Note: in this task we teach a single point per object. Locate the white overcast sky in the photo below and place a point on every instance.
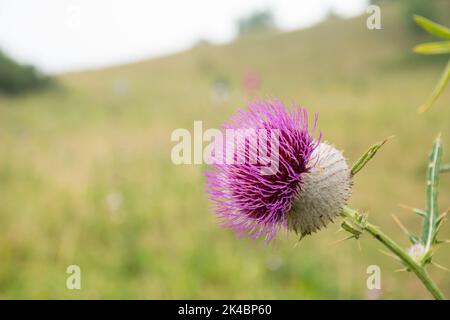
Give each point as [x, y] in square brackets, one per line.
[65, 35]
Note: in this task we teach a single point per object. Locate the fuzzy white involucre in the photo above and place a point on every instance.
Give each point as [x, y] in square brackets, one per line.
[325, 190]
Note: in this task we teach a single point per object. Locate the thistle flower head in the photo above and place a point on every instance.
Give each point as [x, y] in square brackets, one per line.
[309, 187]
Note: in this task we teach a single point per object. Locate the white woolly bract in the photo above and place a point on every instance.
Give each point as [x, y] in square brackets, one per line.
[324, 191]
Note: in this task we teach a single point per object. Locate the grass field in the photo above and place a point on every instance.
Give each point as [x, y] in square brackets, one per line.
[86, 176]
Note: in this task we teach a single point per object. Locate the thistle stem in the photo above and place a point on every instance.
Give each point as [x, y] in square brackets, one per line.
[358, 219]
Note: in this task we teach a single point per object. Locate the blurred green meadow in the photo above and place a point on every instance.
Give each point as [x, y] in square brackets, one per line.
[86, 176]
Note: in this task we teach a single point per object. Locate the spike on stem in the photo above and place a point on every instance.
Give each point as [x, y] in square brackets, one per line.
[417, 211]
[410, 236]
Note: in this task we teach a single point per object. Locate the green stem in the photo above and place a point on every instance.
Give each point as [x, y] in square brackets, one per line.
[356, 218]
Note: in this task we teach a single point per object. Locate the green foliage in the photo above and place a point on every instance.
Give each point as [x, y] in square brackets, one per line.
[421, 254]
[441, 47]
[16, 78]
[432, 27]
[442, 83]
[257, 22]
[430, 221]
[420, 7]
[367, 156]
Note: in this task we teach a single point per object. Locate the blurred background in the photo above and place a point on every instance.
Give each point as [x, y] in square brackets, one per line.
[90, 92]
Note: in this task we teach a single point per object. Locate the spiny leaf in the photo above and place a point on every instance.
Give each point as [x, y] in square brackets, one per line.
[369, 154]
[440, 47]
[430, 220]
[432, 27]
[438, 89]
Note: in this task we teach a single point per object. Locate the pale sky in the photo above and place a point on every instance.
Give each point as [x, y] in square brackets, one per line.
[65, 35]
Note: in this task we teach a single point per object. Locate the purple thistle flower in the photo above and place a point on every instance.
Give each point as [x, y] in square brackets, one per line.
[254, 203]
